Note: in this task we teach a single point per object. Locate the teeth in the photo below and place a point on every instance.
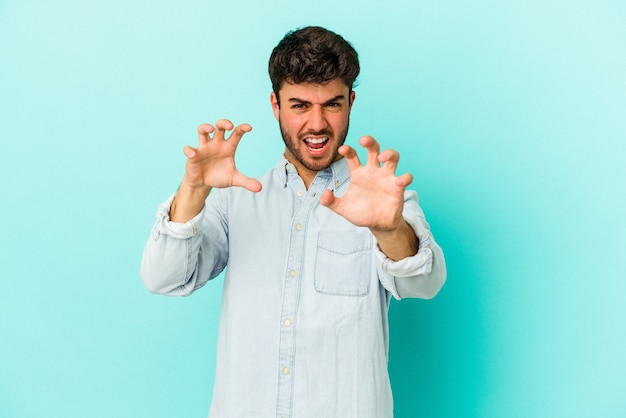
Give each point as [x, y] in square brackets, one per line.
[316, 140]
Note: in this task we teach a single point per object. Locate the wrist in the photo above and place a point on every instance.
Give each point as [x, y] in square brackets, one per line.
[188, 202]
[397, 243]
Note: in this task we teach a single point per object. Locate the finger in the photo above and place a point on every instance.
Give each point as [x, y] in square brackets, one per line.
[389, 158]
[189, 151]
[221, 126]
[247, 183]
[204, 131]
[373, 149]
[351, 156]
[328, 199]
[404, 180]
[238, 133]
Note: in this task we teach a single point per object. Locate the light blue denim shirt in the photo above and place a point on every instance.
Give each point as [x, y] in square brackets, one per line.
[303, 326]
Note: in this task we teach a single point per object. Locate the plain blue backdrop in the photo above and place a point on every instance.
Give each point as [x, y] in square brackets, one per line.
[510, 115]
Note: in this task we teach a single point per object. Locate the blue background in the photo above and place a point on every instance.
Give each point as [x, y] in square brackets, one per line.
[511, 116]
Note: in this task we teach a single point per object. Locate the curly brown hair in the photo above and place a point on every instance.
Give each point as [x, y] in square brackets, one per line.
[313, 55]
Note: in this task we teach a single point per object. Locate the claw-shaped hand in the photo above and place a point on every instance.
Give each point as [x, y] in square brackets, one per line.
[375, 198]
[212, 163]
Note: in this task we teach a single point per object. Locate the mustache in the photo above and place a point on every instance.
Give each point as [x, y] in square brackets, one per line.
[323, 132]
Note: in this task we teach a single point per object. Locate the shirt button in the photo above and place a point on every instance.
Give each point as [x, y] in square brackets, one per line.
[300, 194]
[336, 184]
[292, 273]
[288, 167]
[298, 227]
[286, 371]
[287, 322]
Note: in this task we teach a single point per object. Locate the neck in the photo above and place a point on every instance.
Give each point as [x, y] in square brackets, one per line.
[305, 174]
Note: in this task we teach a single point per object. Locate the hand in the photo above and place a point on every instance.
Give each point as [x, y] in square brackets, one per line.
[375, 198]
[212, 164]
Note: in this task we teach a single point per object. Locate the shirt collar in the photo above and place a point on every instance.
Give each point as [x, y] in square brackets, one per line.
[338, 170]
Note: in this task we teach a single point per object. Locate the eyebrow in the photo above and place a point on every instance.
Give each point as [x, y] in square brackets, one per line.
[334, 99]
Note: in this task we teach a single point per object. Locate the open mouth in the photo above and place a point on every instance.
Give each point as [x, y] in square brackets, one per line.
[316, 145]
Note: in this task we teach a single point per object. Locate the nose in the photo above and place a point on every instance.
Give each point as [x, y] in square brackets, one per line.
[317, 119]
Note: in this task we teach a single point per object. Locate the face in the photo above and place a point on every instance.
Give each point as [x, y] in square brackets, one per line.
[314, 121]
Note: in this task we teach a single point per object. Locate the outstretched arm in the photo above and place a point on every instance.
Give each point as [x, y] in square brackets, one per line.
[375, 199]
[211, 164]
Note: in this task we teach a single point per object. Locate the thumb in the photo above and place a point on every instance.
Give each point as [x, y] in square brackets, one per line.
[247, 183]
[328, 199]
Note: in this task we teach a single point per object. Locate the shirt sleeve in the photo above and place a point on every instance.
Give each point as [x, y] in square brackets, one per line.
[179, 258]
[418, 276]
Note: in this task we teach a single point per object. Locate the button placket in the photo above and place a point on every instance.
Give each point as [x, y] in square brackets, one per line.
[291, 293]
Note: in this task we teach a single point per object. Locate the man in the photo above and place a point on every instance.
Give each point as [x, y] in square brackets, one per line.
[313, 250]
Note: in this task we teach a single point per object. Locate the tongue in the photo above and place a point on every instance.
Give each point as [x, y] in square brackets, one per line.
[316, 146]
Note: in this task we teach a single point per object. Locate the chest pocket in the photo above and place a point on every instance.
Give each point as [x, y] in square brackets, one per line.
[343, 263]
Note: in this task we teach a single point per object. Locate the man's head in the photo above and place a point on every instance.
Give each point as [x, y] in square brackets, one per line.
[313, 71]
[313, 55]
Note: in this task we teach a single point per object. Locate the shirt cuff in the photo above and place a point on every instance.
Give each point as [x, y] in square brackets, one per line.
[418, 264]
[165, 226]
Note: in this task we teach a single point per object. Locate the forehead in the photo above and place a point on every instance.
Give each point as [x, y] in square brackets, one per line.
[314, 92]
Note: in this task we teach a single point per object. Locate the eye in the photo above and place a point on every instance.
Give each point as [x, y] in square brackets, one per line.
[333, 106]
[298, 106]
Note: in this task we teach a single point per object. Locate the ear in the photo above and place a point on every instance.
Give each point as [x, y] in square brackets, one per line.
[352, 97]
[275, 105]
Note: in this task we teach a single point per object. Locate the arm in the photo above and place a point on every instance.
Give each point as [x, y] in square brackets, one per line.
[421, 275]
[188, 244]
[172, 262]
[376, 199]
